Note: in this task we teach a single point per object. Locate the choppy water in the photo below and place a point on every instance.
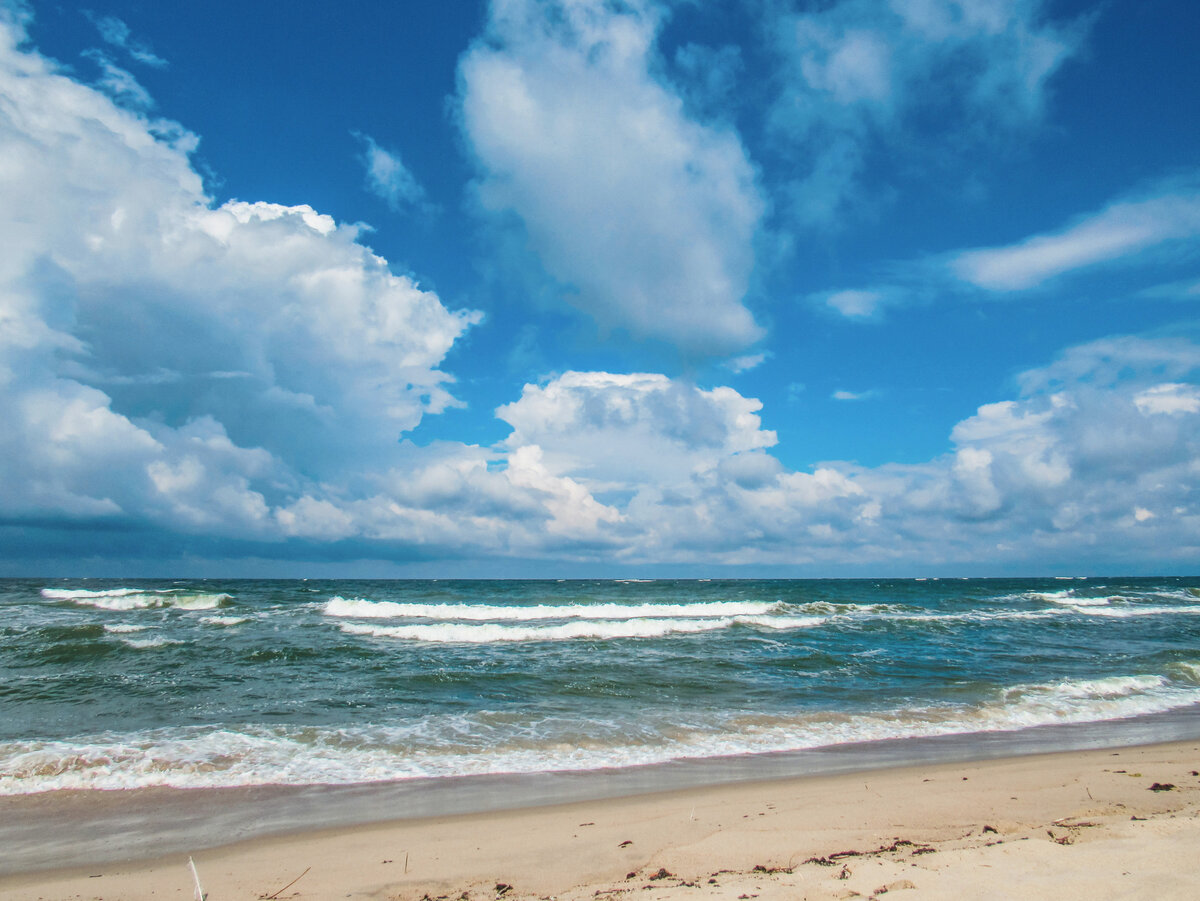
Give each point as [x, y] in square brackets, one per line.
[107, 684]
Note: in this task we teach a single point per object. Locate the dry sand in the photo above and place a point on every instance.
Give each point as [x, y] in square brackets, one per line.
[1059, 826]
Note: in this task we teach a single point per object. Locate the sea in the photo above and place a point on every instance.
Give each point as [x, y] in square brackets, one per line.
[108, 686]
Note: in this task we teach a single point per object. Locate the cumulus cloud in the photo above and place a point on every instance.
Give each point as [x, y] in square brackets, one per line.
[1108, 428]
[620, 431]
[1097, 458]
[159, 355]
[645, 216]
[242, 372]
[859, 72]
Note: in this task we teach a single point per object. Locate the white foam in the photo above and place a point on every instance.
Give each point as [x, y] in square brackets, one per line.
[1122, 612]
[463, 633]
[74, 594]
[360, 608]
[143, 644]
[469, 744]
[124, 599]
[224, 620]
[122, 628]
[1072, 601]
[599, 630]
[782, 622]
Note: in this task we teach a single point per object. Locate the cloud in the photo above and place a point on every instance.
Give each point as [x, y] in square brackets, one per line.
[159, 355]
[1186, 289]
[1121, 230]
[387, 176]
[645, 217]
[645, 469]
[619, 431]
[115, 32]
[118, 83]
[1126, 233]
[855, 303]
[241, 373]
[747, 362]
[866, 77]
[1169, 398]
[853, 395]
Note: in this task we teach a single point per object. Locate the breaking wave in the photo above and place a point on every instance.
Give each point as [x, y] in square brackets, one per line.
[139, 598]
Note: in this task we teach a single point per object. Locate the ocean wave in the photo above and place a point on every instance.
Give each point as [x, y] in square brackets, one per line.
[145, 644]
[124, 599]
[78, 594]
[1122, 612]
[491, 743]
[462, 633]
[1188, 671]
[224, 620]
[361, 608]
[599, 630]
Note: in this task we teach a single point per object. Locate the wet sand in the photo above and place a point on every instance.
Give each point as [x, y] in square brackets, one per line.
[1085, 824]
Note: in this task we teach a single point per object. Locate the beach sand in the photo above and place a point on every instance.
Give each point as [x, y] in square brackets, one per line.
[1089, 824]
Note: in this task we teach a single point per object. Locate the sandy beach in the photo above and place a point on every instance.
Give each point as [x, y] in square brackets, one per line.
[1121, 823]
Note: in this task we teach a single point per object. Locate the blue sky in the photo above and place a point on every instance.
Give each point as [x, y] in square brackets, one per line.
[588, 288]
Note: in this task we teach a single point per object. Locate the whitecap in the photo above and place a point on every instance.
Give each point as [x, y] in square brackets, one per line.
[361, 608]
[125, 599]
[143, 644]
[486, 742]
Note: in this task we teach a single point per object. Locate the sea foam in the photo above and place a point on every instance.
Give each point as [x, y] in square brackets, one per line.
[138, 598]
[599, 630]
[449, 745]
[361, 608]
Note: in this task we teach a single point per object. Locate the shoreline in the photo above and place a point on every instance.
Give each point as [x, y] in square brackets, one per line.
[74, 828]
[1081, 823]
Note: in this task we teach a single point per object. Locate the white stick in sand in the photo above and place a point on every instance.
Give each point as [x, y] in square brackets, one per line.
[200, 896]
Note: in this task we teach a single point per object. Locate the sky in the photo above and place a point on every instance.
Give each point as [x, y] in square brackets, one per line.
[576, 288]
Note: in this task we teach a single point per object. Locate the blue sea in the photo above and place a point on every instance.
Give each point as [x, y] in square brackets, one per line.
[124, 684]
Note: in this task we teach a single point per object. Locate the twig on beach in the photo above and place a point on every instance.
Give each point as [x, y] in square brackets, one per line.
[200, 893]
[289, 885]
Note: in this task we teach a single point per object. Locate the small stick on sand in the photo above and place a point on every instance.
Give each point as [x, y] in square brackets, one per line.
[289, 885]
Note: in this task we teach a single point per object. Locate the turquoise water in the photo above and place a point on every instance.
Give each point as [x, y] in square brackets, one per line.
[120, 684]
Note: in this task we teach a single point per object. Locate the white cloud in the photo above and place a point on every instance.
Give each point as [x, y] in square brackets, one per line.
[747, 362]
[842, 394]
[855, 304]
[1119, 231]
[862, 75]
[159, 356]
[1125, 233]
[120, 84]
[387, 176]
[645, 216]
[1170, 398]
[115, 32]
[1055, 471]
[621, 431]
